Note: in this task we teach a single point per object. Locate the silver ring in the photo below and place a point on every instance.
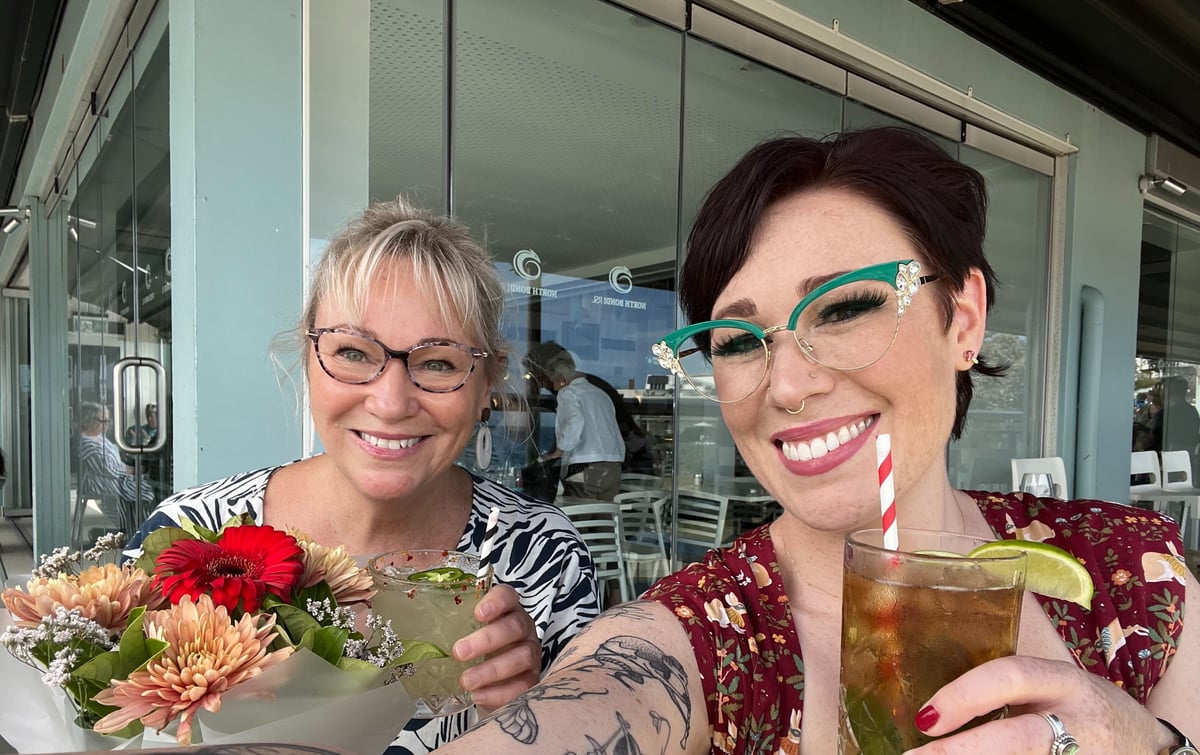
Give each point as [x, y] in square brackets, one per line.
[1064, 743]
[789, 411]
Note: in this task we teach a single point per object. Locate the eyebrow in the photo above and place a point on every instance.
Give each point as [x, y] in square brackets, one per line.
[372, 334]
[745, 308]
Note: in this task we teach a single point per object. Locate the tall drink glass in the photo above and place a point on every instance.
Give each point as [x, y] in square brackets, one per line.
[438, 612]
[912, 620]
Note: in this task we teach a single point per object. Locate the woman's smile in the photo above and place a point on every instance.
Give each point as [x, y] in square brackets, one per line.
[818, 447]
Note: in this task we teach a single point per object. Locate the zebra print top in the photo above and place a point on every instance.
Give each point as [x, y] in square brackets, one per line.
[539, 554]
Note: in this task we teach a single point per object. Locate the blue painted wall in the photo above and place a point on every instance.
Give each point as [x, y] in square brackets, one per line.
[237, 235]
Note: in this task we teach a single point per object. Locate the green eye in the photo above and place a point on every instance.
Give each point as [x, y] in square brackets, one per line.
[736, 345]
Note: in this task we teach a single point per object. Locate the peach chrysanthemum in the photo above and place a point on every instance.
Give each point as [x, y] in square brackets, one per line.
[106, 594]
[206, 654]
[349, 582]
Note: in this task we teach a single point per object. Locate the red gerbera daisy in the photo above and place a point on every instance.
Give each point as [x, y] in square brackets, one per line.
[238, 571]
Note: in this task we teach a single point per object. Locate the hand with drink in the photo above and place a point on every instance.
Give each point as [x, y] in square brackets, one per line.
[837, 293]
[403, 352]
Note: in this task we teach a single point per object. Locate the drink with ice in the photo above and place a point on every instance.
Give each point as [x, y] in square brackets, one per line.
[913, 620]
[430, 595]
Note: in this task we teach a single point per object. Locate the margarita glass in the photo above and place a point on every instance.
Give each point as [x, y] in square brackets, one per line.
[430, 595]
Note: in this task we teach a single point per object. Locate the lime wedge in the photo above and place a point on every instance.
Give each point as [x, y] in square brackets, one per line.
[442, 574]
[1050, 570]
[939, 554]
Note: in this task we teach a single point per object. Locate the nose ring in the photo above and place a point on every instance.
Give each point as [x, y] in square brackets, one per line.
[789, 411]
[812, 375]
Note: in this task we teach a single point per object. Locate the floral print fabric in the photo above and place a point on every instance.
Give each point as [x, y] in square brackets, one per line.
[735, 611]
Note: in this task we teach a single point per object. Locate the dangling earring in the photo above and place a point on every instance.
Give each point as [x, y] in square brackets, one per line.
[969, 356]
[483, 441]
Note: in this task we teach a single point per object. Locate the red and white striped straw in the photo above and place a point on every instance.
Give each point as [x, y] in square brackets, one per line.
[487, 568]
[887, 492]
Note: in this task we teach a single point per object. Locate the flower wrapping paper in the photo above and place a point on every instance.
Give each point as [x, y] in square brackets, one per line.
[302, 700]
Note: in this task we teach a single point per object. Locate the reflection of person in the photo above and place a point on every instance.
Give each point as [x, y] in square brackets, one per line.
[1177, 426]
[145, 433]
[393, 421]
[586, 435]
[740, 652]
[142, 436]
[1143, 420]
[102, 474]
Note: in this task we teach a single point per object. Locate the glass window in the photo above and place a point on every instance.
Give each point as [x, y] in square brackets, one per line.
[565, 158]
[1168, 345]
[118, 259]
[1005, 420]
[407, 101]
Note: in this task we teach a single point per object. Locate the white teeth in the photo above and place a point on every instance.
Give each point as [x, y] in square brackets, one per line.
[391, 444]
[798, 450]
[818, 447]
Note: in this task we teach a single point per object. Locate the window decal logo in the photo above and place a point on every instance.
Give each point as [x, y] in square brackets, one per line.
[527, 264]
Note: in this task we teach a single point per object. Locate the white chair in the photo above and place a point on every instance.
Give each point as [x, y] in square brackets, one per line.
[1051, 465]
[1177, 481]
[1155, 491]
[599, 524]
[642, 526]
[701, 519]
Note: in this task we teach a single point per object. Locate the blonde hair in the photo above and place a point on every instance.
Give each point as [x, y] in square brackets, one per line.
[444, 258]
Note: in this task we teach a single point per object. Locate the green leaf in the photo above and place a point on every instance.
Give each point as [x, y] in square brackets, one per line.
[295, 620]
[197, 531]
[873, 727]
[237, 520]
[318, 592]
[157, 542]
[134, 651]
[418, 650]
[355, 665]
[327, 642]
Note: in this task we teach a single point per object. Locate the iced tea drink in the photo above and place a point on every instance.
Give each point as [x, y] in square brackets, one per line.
[913, 620]
[430, 595]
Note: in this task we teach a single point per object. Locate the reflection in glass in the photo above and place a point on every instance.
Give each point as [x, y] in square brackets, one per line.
[1005, 420]
[118, 234]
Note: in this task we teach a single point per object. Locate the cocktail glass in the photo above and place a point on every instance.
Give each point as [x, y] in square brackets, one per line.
[440, 613]
[913, 620]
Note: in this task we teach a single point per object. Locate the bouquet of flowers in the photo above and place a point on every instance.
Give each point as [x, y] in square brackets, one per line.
[248, 614]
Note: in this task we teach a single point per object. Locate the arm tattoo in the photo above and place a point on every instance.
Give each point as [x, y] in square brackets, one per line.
[632, 661]
[635, 612]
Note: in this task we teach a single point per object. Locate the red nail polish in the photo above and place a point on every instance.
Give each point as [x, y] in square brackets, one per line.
[926, 717]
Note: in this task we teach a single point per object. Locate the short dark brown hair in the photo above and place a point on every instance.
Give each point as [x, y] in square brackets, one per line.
[939, 202]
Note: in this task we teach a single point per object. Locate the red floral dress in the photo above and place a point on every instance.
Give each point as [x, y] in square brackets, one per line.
[736, 613]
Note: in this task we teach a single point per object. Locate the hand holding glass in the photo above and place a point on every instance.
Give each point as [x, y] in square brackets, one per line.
[424, 607]
[912, 621]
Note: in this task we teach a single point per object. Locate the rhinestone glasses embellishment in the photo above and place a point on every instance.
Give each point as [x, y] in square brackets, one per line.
[666, 358]
[908, 280]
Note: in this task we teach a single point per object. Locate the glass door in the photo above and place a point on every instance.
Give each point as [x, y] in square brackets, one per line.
[119, 325]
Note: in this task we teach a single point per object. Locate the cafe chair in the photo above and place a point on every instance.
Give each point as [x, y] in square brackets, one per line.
[1051, 465]
[1152, 488]
[701, 520]
[1177, 481]
[642, 526]
[599, 524]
